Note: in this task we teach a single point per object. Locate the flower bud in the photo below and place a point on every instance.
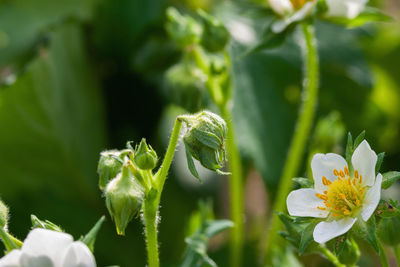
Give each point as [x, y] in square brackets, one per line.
[185, 85]
[109, 166]
[205, 139]
[388, 230]
[3, 214]
[145, 157]
[215, 36]
[184, 30]
[350, 253]
[124, 196]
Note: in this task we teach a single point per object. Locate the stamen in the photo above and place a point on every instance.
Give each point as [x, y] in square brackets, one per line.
[325, 181]
[346, 212]
[325, 192]
[356, 174]
[323, 197]
[321, 208]
[335, 172]
[341, 173]
[335, 215]
[360, 179]
[346, 171]
[327, 204]
[342, 196]
[357, 202]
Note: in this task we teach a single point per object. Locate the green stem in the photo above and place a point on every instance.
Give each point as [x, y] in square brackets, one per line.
[382, 255]
[301, 133]
[236, 191]
[396, 249]
[9, 241]
[161, 174]
[150, 208]
[331, 257]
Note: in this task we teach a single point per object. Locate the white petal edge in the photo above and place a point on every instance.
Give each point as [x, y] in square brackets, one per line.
[282, 7]
[323, 165]
[364, 160]
[11, 259]
[79, 255]
[304, 203]
[47, 243]
[325, 231]
[345, 8]
[371, 199]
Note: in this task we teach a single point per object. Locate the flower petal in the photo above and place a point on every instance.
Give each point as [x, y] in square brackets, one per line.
[78, 255]
[35, 261]
[282, 7]
[325, 231]
[304, 202]
[345, 8]
[323, 165]
[11, 259]
[42, 242]
[364, 160]
[372, 198]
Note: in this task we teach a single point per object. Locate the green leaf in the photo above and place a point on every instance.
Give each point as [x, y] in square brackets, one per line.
[303, 182]
[36, 223]
[359, 139]
[268, 40]
[378, 165]
[207, 138]
[306, 238]
[349, 148]
[387, 209]
[214, 227]
[340, 243]
[371, 233]
[9, 244]
[369, 14]
[190, 162]
[90, 238]
[389, 178]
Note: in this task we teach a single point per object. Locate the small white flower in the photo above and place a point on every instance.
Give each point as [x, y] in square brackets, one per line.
[339, 196]
[46, 248]
[291, 11]
[345, 8]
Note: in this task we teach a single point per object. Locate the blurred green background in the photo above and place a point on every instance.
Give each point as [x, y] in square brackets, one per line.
[81, 76]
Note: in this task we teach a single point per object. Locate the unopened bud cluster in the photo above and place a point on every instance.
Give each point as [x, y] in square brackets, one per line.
[121, 177]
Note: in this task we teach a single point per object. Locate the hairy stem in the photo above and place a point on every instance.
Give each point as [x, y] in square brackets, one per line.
[331, 257]
[150, 208]
[382, 255]
[396, 249]
[302, 131]
[236, 191]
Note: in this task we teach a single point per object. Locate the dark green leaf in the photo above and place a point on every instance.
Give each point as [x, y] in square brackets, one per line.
[269, 40]
[208, 139]
[340, 243]
[389, 178]
[371, 233]
[370, 14]
[303, 182]
[190, 162]
[387, 209]
[379, 162]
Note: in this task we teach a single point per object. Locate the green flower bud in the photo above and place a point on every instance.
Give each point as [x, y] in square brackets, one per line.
[3, 214]
[215, 36]
[145, 157]
[388, 230]
[124, 196]
[205, 140]
[36, 223]
[184, 30]
[350, 253]
[184, 85]
[109, 166]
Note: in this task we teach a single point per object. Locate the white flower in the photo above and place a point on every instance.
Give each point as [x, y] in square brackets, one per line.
[345, 8]
[339, 196]
[290, 11]
[46, 248]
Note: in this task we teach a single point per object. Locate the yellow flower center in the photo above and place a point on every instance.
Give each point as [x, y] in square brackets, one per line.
[344, 195]
[297, 4]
